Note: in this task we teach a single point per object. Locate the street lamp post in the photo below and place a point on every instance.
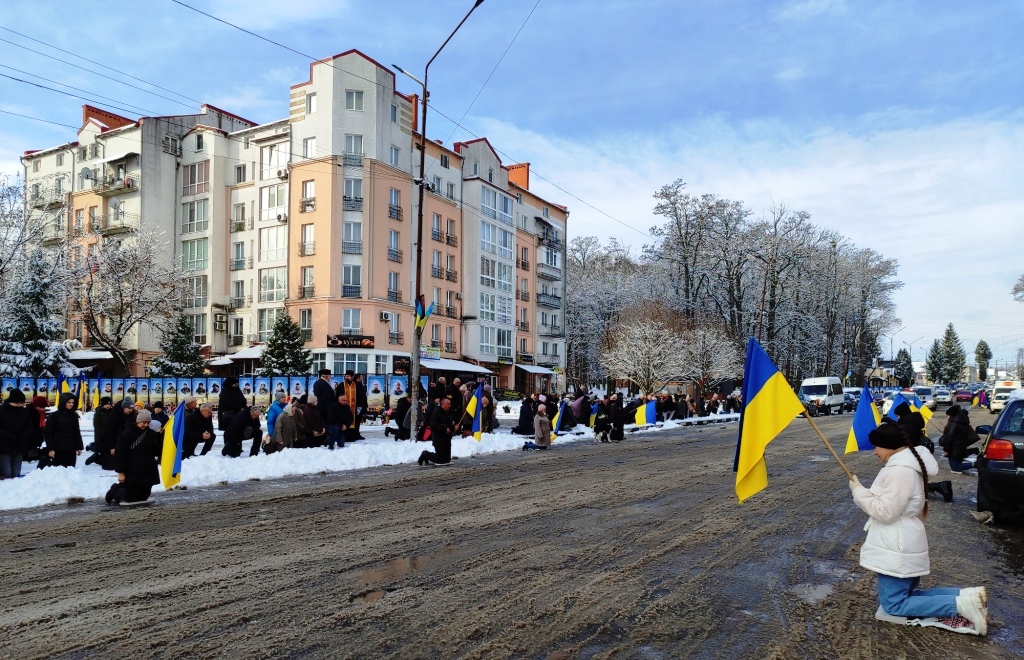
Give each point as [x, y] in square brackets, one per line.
[910, 350]
[414, 367]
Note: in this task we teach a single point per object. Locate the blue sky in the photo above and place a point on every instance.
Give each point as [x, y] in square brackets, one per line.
[899, 123]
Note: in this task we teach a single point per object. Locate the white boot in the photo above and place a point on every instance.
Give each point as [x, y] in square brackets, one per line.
[970, 606]
[981, 593]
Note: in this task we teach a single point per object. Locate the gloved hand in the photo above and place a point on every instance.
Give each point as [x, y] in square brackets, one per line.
[855, 483]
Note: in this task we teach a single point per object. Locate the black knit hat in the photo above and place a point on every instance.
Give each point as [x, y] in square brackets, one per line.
[889, 436]
[953, 410]
[104, 400]
[902, 409]
[16, 396]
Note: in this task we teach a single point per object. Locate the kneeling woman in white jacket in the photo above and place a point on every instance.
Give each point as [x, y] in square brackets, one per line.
[896, 547]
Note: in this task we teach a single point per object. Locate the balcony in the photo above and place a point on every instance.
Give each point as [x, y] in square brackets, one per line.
[240, 264]
[307, 249]
[351, 332]
[307, 334]
[352, 160]
[305, 291]
[394, 296]
[435, 343]
[53, 233]
[396, 338]
[240, 302]
[523, 295]
[307, 204]
[352, 203]
[46, 199]
[394, 212]
[551, 331]
[240, 225]
[113, 185]
[522, 264]
[524, 326]
[451, 239]
[550, 240]
[116, 223]
[449, 347]
[394, 254]
[548, 272]
[235, 340]
[437, 271]
[351, 291]
[195, 302]
[437, 235]
[351, 247]
[451, 312]
[549, 300]
[547, 361]
[452, 275]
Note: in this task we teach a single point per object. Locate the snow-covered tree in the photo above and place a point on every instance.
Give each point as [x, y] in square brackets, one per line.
[954, 357]
[20, 226]
[181, 357]
[982, 354]
[711, 357]
[284, 352]
[30, 328]
[903, 368]
[647, 352]
[934, 363]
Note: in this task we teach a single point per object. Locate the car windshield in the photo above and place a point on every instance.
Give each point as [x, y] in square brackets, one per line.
[813, 390]
[943, 392]
[1012, 421]
[923, 391]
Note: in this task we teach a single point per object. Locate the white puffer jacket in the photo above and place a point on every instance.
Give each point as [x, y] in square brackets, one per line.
[897, 544]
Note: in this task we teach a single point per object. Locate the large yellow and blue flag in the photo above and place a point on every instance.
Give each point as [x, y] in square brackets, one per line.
[80, 392]
[174, 440]
[96, 391]
[422, 314]
[593, 414]
[646, 414]
[556, 420]
[915, 404]
[769, 405]
[474, 410]
[865, 420]
[980, 399]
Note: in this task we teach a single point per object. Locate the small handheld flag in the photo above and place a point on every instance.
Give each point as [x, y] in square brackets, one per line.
[865, 420]
[174, 440]
[475, 410]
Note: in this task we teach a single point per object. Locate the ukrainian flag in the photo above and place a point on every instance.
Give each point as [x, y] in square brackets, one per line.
[980, 399]
[593, 414]
[557, 419]
[174, 440]
[916, 405]
[96, 391]
[865, 420]
[769, 405]
[81, 392]
[474, 410]
[646, 414]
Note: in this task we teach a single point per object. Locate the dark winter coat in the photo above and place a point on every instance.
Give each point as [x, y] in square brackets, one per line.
[19, 429]
[913, 425]
[959, 435]
[361, 400]
[617, 419]
[308, 421]
[99, 417]
[325, 396]
[231, 401]
[163, 417]
[113, 426]
[401, 410]
[236, 433]
[195, 426]
[136, 455]
[339, 415]
[527, 411]
[602, 423]
[62, 431]
[441, 427]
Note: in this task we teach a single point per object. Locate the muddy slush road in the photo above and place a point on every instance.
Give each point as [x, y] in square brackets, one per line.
[633, 550]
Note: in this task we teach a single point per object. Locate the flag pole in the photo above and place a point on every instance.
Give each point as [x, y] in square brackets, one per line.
[834, 454]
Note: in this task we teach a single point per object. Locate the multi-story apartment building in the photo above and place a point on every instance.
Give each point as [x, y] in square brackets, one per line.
[315, 215]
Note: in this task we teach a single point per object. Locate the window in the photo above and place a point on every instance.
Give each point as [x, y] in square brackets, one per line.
[319, 361]
[524, 255]
[198, 323]
[451, 263]
[451, 227]
[273, 284]
[79, 218]
[354, 188]
[435, 332]
[194, 216]
[308, 189]
[306, 234]
[380, 363]
[350, 321]
[488, 306]
[435, 259]
[306, 321]
[444, 161]
[551, 257]
[60, 160]
[267, 318]
[488, 202]
[356, 362]
[488, 267]
[392, 281]
[393, 239]
[394, 113]
[554, 349]
[238, 252]
[449, 334]
[238, 292]
[554, 320]
[273, 157]
[505, 239]
[194, 254]
[488, 238]
[83, 152]
[351, 275]
[505, 212]
[476, 167]
[451, 191]
[523, 346]
[36, 164]
[196, 291]
[245, 142]
[504, 277]
[353, 232]
[487, 340]
[395, 153]
[309, 148]
[395, 197]
[353, 99]
[435, 223]
[273, 243]
[545, 212]
[435, 184]
[490, 174]
[504, 311]
[504, 343]
[239, 173]
[195, 178]
[353, 144]
[544, 318]
[199, 141]
[435, 297]
[311, 103]
[273, 201]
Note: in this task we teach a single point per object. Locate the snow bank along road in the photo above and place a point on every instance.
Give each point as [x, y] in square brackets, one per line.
[636, 548]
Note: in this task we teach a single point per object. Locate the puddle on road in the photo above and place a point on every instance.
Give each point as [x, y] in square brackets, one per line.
[812, 593]
[399, 569]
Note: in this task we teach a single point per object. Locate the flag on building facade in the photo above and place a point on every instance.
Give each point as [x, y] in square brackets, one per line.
[865, 420]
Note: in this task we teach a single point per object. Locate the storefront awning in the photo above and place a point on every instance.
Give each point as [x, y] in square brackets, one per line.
[529, 368]
[221, 361]
[250, 353]
[89, 355]
[113, 158]
[444, 364]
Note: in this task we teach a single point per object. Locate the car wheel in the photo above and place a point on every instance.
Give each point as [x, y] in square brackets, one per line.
[828, 410]
[986, 503]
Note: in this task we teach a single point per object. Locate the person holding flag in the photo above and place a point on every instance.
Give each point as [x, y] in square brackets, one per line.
[135, 459]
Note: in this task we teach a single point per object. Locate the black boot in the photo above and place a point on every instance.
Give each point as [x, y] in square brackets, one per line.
[943, 488]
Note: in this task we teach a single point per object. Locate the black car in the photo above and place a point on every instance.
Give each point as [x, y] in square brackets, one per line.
[849, 402]
[1001, 463]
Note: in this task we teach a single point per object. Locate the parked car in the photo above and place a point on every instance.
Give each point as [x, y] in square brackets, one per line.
[849, 402]
[964, 395]
[809, 406]
[1001, 462]
[927, 396]
[942, 395]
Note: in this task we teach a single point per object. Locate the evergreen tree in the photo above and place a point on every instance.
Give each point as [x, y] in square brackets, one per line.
[934, 367]
[181, 357]
[903, 368]
[30, 327]
[982, 354]
[954, 357]
[284, 353]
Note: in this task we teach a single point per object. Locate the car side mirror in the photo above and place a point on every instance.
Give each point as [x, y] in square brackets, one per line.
[984, 429]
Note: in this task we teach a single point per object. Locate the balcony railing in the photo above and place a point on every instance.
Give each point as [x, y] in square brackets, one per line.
[394, 254]
[522, 264]
[352, 160]
[241, 225]
[46, 199]
[352, 203]
[352, 247]
[307, 204]
[435, 343]
[550, 241]
[524, 326]
[240, 302]
[394, 296]
[451, 275]
[235, 340]
[307, 249]
[241, 264]
[437, 235]
[111, 185]
[451, 312]
[523, 295]
[396, 338]
[394, 212]
[451, 239]
[449, 347]
[351, 291]
[437, 271]
[307, 334]
[194, 302]
[549, 300]
[548, 272]
[53, 232]
[115, 223]
[351, 332]
[305, 291]
[551, 330]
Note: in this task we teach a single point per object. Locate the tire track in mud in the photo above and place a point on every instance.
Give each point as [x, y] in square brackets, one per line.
[634, 549]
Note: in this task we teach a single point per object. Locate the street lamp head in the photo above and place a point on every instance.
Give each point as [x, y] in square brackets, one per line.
[403, 71]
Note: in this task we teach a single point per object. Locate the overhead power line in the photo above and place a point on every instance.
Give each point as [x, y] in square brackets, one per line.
[79, 89]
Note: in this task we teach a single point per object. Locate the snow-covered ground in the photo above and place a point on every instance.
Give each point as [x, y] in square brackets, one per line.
[55, 485]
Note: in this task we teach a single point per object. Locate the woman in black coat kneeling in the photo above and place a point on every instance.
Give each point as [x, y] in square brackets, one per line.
[135, 460]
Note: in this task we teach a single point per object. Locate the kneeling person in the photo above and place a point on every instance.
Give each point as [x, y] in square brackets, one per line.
[135, 459]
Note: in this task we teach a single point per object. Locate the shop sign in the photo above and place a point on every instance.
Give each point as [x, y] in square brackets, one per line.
[525, 358]
[430, 353]
[349, 341]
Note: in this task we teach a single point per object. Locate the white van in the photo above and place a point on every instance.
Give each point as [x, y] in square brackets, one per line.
[826, 393]
[1001, 394]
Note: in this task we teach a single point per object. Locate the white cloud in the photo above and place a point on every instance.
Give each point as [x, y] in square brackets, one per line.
[791, 74]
